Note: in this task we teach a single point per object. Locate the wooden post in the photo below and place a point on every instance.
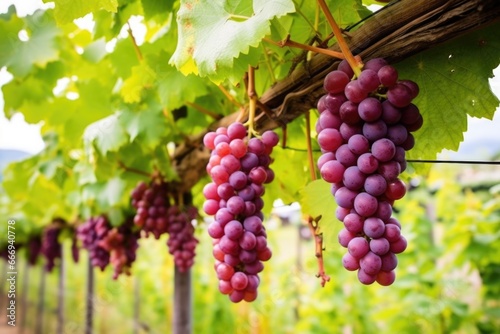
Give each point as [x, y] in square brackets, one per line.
[137, 301]
[182, 323]
[60, 295]
[90, 298]
[24, 296]
[41, 302]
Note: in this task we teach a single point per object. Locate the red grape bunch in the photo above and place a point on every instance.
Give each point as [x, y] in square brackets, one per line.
[364, 129]
[181, 240]
[91, 233]
[121, 243]
[151, 202]
[239, 168]
[51, 246]
[34, 249]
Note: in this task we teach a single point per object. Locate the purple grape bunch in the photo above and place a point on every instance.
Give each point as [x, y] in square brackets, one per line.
[51, 246]
[181, 240]
[151, 203]
[239, 168]
[91, 233]
[364, 130]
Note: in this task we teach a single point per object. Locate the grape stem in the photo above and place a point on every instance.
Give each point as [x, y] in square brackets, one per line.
[309, 146]
[313, 224]
[355, 64]
[204, 110]
[230, 97]
[288, 42]
[138, 52]
[133, 170]
[252, 96]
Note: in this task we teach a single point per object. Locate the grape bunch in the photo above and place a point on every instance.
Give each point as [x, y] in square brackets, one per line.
[181, 240]
[51, 247]
[91, 233]
[121, 243]
[364, 129]
[239, 168]
[34, 249]
[151, 202]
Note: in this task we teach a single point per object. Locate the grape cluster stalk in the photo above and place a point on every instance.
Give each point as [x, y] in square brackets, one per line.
[239, 168]
[364, 130]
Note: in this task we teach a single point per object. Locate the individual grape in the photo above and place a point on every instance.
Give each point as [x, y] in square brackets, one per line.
[374, 227]
[399, 95]
[336, 81]
[386, 278]
[353, 178]
[353, 223]
[365, 204]
[379, 246]
[388, 75]
[350, 262]
[332, 171]
[358, 247]
[358, 144]
[368, 80]
[240, 244]
[364, 129]
[370, 109]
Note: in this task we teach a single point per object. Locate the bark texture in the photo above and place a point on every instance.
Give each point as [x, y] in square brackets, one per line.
[398, 31]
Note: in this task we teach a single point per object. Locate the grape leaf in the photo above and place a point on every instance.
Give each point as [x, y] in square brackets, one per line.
[213, 33]
[317, 200]
[67, 11]
[107, 134]
[41, 47]
[95, 51]
[152, 8]
[149, 125]
[452, 86]
[142, 76]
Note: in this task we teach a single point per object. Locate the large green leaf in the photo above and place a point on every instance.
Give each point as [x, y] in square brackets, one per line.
[453, 80]
[213, 33]
[40, 48]
[67, 11]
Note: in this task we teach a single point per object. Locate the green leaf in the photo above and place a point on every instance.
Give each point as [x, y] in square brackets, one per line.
[147, 125]
[453, 80]
[213, 33]
[142, 77]
[174, 88]
[152, 8]
[95, 51]
[112, 191]
[317, 200]
[107, 134]
[67, 11]
[41, 47]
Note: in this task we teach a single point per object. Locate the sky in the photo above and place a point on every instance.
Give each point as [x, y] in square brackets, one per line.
[480, 141]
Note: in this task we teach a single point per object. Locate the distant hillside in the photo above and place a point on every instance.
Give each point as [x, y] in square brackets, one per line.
[7, 156]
